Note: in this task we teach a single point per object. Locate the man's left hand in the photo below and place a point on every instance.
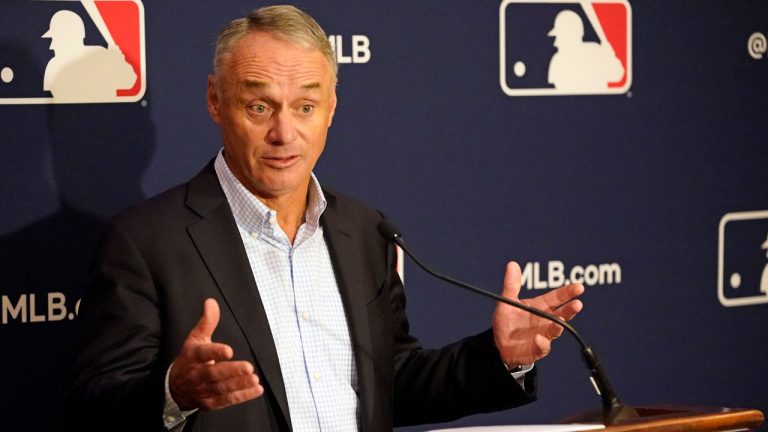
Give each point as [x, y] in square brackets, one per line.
[523, 338]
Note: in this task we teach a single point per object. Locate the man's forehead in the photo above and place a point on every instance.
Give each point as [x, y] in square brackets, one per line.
[263, 71]
[278, 54]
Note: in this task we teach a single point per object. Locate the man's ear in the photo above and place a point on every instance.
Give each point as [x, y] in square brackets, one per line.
[332, 107]
[212, 97]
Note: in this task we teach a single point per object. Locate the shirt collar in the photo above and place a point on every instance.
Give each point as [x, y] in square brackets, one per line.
[254, 216]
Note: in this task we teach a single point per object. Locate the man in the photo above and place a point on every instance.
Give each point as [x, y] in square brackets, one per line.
[303, 324]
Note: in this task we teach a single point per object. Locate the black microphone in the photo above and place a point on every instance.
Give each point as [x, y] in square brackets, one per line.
[613, 409]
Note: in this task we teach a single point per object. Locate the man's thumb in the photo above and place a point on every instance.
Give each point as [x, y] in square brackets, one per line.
[207, 324]
[512, 281]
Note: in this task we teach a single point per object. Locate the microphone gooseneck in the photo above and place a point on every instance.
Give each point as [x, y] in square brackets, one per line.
[613, 408]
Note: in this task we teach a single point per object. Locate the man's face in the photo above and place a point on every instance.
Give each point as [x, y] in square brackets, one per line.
[274, 102]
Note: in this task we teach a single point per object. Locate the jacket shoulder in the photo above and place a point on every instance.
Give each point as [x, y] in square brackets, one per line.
[348, 205]
[178, 206]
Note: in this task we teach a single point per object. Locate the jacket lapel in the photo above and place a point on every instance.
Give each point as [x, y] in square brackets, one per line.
[218, 242]
[339, 233]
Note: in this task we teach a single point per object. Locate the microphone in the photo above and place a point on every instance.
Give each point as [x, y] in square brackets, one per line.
[613, 409]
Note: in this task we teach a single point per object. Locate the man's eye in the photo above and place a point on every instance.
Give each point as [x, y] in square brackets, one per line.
[306, 109]
[259, 109]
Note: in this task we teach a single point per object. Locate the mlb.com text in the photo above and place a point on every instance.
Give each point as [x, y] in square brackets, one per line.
[553, 274]
[37, 307]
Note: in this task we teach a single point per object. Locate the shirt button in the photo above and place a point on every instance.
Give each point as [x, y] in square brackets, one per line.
[254, 235]
[170, 419]
[316, 376]
[305, 316]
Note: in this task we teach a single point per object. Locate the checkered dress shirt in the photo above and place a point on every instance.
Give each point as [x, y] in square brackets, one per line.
[304, 308]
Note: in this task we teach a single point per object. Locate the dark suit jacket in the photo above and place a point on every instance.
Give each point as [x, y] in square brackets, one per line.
[161, 259]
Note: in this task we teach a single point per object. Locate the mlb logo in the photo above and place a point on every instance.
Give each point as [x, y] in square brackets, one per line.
[742, 259]
[70, 51]
[555, 47]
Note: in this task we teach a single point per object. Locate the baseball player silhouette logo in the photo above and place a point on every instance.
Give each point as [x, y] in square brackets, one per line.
[554, 47]
[81, 67]
[742, 268]
[80, 72]
[578, 65]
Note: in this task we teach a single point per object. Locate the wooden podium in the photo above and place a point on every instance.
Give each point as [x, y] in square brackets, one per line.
[685, 418]
[648, 419]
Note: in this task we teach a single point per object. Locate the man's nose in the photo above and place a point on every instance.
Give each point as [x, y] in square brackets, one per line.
[283, 129]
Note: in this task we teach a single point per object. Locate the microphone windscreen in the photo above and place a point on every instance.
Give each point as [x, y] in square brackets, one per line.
[388, 230]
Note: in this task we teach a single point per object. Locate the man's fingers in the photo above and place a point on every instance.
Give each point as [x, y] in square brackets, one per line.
[232, 398]
[221, 371]
[203, 330]
[209, 385]
[543, 344]
[554, 331]
[207, 352]
[512, 281]
[237, 384]
[230, 369]
[557, 298]
[570, 309]
[218, 389]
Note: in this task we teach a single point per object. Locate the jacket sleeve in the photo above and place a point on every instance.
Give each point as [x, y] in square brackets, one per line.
[118, 380]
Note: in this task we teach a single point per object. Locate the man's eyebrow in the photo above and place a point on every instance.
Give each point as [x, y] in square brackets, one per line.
[254, 84]
[311, 86]
[251, 84]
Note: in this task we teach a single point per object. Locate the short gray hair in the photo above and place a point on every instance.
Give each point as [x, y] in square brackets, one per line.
[284, 22]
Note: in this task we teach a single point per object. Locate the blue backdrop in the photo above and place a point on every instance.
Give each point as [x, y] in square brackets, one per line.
[652, 191]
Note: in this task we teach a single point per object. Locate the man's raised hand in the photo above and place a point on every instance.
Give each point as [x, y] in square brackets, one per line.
[521, 337]
[203, 375]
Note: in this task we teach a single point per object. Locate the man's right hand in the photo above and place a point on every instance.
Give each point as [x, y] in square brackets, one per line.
[203, 376]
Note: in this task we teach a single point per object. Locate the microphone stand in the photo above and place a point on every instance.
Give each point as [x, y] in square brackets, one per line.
[613, 410]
